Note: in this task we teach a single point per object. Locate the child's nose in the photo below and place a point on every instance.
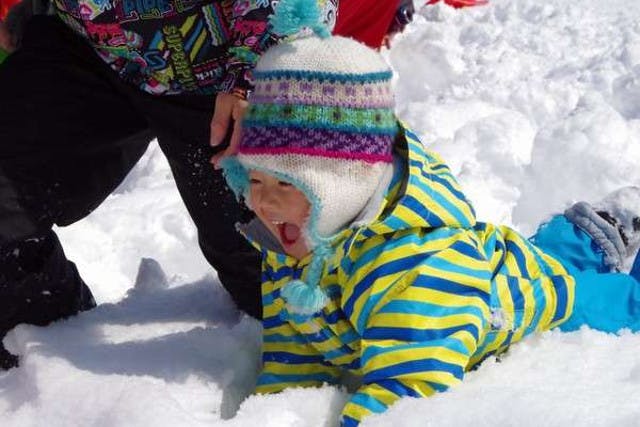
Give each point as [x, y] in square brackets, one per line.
[270, 199]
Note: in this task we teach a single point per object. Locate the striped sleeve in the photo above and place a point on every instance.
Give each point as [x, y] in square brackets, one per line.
[419, 336]
[288, 361]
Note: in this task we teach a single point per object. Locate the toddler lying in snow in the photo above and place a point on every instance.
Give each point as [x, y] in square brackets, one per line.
[373, 260]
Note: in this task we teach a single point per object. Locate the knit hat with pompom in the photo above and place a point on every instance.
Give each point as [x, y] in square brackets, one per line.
[321, 117]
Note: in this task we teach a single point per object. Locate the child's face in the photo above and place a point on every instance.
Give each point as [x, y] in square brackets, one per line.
[282, 208]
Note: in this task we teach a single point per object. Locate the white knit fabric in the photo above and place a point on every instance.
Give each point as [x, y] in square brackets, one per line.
[342, 187]
[323, 55]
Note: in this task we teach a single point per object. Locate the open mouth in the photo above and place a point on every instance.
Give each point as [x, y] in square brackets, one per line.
[289, 233]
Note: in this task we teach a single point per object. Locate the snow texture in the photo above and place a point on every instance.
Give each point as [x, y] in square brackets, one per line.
[535, 105]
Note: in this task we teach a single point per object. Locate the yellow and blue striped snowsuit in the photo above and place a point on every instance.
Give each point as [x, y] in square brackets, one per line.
[417, 297]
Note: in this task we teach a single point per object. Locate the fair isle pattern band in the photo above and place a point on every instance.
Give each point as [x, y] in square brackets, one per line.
[321, 114]
[361, 120]
[323, 76]
[368, 147]
[304, 92]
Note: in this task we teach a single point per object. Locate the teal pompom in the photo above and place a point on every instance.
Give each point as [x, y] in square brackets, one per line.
[236, 176]
[303, 298]
[307, 297]
[291, 16]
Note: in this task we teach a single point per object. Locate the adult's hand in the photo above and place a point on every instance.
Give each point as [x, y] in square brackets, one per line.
[229, 110]
[6, 42]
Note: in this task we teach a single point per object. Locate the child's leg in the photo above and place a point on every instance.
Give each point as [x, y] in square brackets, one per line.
[608, 230]
[570, 244]
[607, 302]
[604, 301]
[635, 270]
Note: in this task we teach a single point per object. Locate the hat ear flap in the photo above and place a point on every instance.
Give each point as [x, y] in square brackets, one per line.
[236, 175]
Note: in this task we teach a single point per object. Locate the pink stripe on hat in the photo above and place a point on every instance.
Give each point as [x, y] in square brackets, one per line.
[368, 158]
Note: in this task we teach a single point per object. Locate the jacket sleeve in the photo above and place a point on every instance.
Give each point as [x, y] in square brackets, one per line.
[250, 37]
[288, 358]
[421, 315]
[289, 361]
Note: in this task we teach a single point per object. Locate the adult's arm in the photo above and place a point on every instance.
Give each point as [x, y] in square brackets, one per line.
[249, 37]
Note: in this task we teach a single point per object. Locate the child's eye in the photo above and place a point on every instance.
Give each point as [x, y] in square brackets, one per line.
[284, 184]
[254, 181]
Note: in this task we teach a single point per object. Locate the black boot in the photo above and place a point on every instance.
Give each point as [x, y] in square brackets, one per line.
[7, 360]
[38, 285]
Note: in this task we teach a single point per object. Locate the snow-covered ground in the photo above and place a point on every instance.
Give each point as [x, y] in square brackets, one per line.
[534, 104]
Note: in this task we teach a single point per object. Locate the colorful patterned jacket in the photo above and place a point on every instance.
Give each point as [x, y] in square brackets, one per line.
[417, 297]
[169, 47]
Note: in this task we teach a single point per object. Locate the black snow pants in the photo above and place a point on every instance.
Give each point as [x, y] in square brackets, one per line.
[70, 131]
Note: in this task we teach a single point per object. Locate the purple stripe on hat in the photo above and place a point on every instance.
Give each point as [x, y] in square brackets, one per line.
[355, 95]
[323, 140]
[369, 158]
[314, 99]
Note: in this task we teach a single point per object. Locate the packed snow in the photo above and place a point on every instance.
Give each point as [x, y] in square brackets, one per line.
[534, 105]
